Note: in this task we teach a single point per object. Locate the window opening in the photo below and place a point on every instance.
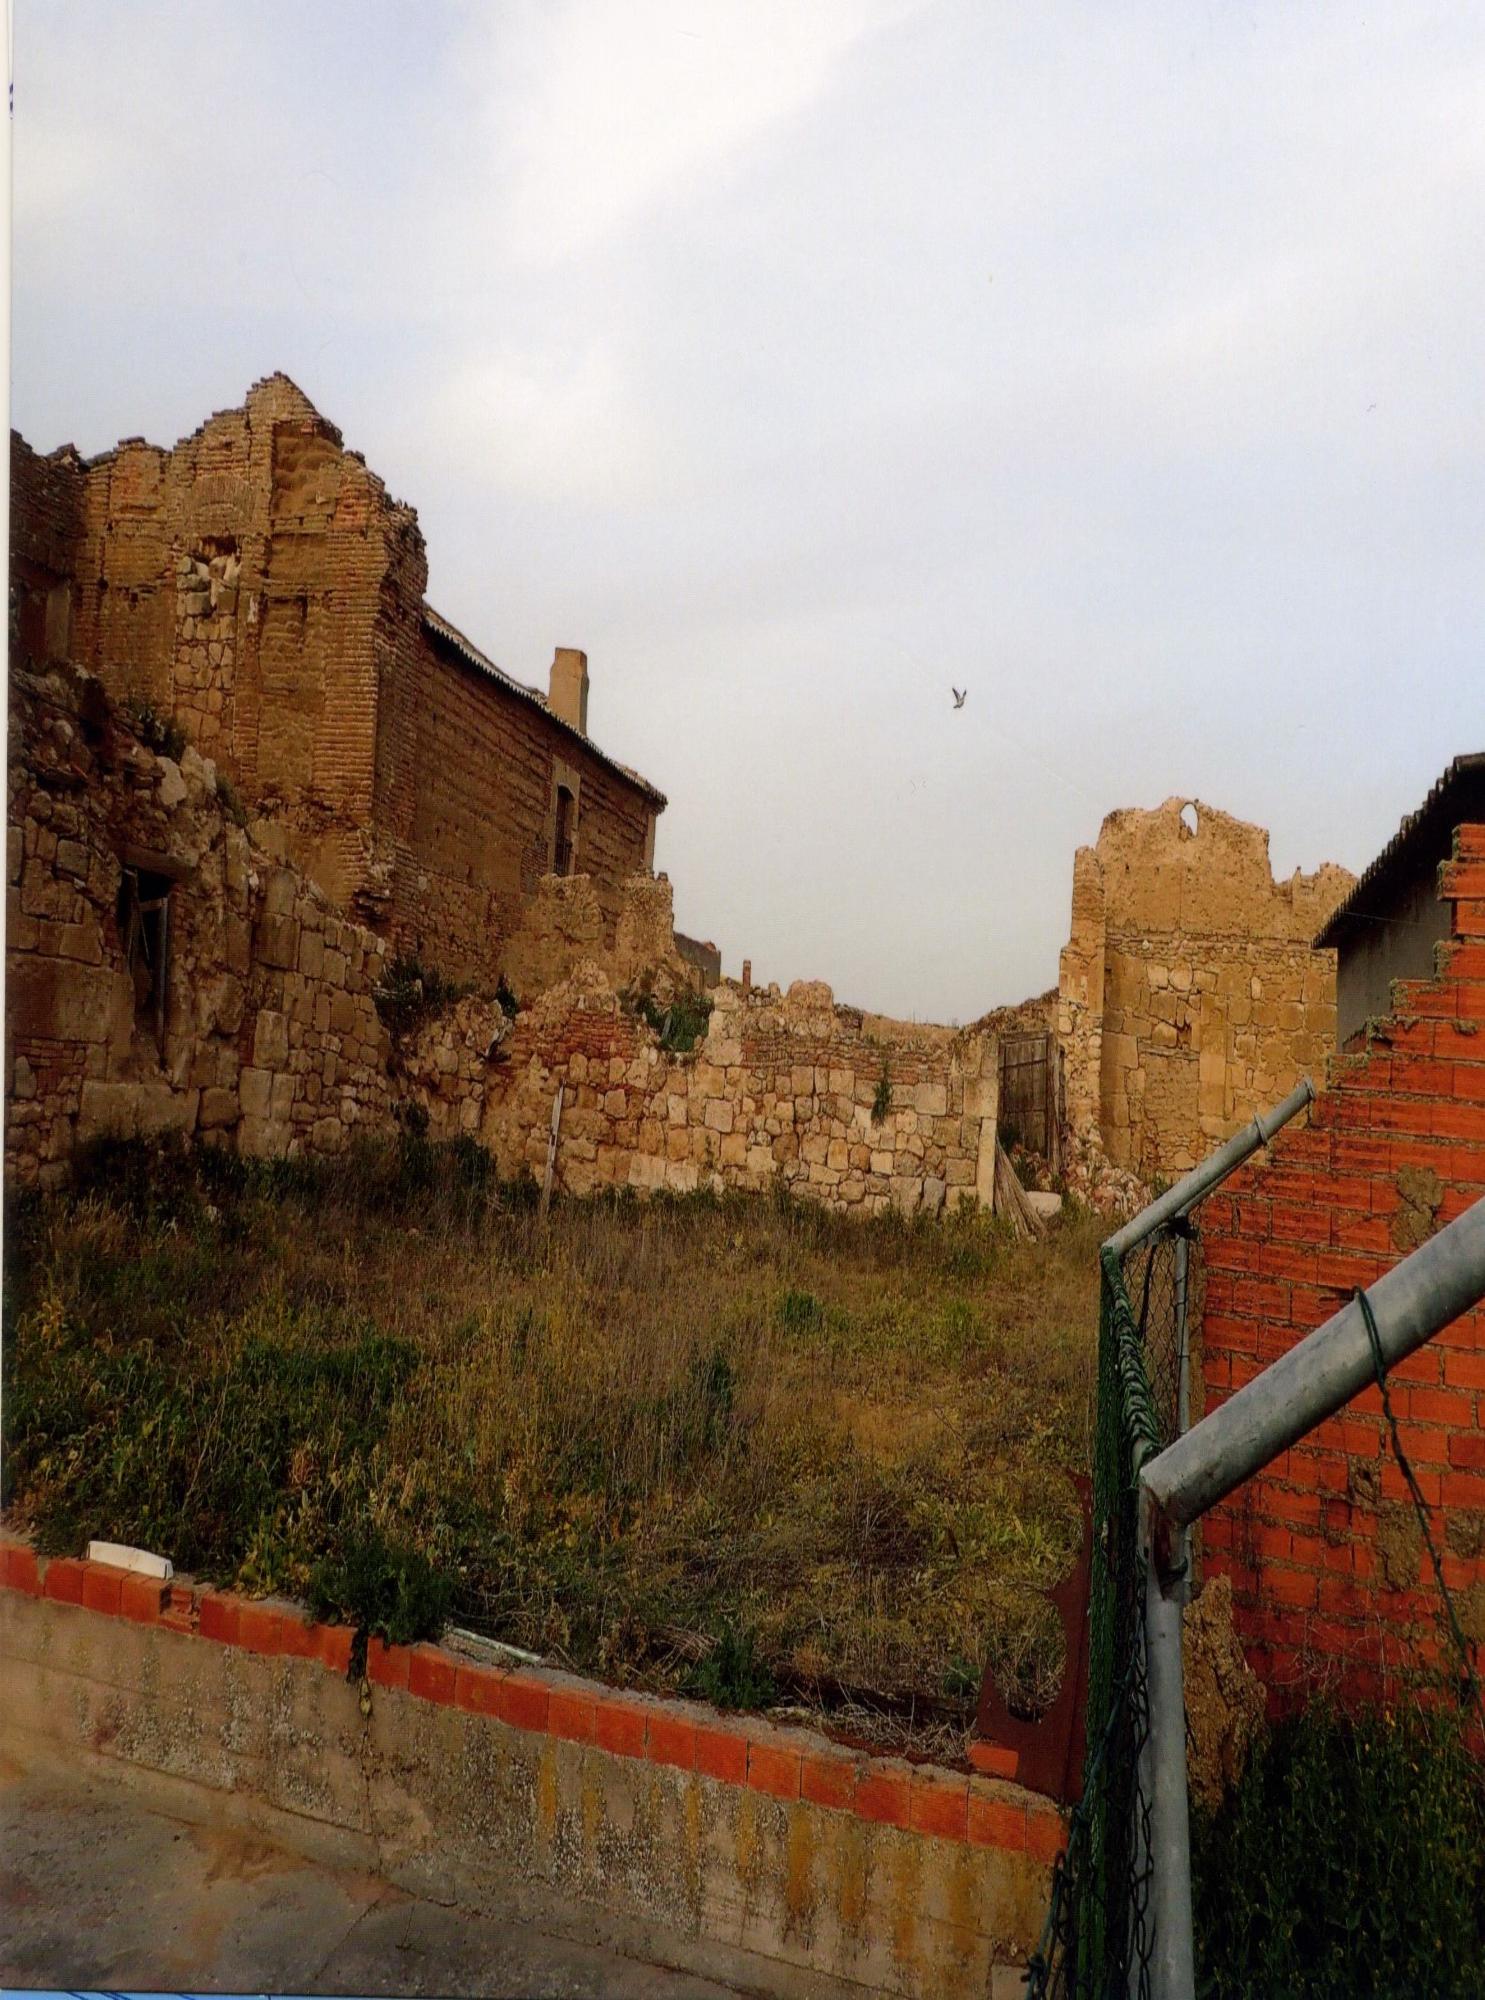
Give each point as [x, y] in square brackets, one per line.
[562, 855]
[144, 926]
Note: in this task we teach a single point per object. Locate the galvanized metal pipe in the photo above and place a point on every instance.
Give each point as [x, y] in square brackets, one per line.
[1216, 1167]
[1163, 1779]
[1183, 1336]
[1440, 1279]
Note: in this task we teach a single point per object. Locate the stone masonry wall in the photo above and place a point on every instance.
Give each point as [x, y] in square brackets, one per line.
[258, 585]
[269, 1039]
[782, 1090]
[1331, 1584]
[1189, 995]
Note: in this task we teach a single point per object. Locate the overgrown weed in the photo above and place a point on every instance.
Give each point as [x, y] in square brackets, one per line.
[717, 1441]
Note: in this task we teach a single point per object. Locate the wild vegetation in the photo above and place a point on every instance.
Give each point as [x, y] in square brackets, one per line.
[743, 1447]
[1350, 1861]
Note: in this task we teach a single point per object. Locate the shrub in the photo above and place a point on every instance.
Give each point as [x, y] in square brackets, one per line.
[1350, 1861]
[160, 733]
[731, 1675]
[385, 1589]
[681, 1025]
[881, 1104]
[412, 993]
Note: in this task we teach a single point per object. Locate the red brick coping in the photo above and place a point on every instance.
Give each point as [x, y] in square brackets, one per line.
[737, 1750]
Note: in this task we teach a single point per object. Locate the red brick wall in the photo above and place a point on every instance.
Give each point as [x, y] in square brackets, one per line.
[1330, 1582]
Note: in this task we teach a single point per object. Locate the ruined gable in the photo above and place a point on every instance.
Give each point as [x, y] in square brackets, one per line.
[1189, 991]
[257, 586]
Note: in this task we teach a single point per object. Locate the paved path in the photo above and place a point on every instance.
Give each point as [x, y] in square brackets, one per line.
[98, 1891]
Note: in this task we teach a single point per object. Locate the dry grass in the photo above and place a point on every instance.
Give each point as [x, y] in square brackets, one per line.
[745, 1447]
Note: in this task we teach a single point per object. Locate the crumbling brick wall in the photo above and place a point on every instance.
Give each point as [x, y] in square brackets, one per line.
[1328, 1569]
[783, 1089]
[268, 1037]
[258, 586]
[1189, 994]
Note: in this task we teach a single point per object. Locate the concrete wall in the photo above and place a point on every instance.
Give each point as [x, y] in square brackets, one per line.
[460, 1780]
[1330, 1579]
[258, 585]
[1189, 995]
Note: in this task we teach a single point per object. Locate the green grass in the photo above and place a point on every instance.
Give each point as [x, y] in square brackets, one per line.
[737, 1445]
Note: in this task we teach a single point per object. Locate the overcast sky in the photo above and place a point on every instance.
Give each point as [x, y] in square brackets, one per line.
[799, 358]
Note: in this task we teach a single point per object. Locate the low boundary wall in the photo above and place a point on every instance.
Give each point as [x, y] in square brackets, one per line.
[705, 1834]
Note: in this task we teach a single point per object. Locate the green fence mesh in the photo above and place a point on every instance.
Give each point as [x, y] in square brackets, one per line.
[1096, 1943]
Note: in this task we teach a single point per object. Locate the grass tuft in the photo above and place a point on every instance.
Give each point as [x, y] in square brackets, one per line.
[709, 1440]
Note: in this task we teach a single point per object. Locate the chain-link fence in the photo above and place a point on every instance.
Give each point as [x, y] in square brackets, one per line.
[1096, 1944]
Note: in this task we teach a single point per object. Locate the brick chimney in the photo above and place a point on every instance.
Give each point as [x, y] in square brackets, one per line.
[568, 695]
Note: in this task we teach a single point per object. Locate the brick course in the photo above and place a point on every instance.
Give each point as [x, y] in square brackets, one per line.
[948, 1805]
[258, 585]
[1330, 1580]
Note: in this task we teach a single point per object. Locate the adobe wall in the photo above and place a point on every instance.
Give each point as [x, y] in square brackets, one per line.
[271, 1042]
[782, 1089]
[258, 585]
[1330, 1578]
[771, 1858]
[1188, 993]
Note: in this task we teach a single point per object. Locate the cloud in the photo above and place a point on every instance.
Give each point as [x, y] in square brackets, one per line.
[617, 110]
[555, 426]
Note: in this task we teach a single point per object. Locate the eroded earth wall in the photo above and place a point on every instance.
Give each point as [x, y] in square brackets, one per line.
[1189, 995]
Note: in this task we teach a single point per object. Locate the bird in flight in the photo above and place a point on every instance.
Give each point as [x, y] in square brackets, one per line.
[958, 694]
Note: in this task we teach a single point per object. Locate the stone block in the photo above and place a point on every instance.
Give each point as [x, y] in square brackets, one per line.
[278, 941]
[270, 1039]
[255, 1093]
[280, 892]
[219, 1108]
[719, 1115]
[66, 1001]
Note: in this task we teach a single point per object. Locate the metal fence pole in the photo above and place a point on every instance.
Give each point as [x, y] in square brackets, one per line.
[1216, 1167]
[1427, 1291]
[1440, 1279]
[1173, 1949]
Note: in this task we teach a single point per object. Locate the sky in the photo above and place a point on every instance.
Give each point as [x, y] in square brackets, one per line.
[1119, 364]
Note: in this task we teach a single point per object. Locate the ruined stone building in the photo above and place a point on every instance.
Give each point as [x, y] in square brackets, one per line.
[1190, 992]
[257, 587]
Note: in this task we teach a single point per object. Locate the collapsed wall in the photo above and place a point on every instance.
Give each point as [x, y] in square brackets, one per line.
[170, 969]
[790, 1089]
[164, 973]
[1189, 993]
